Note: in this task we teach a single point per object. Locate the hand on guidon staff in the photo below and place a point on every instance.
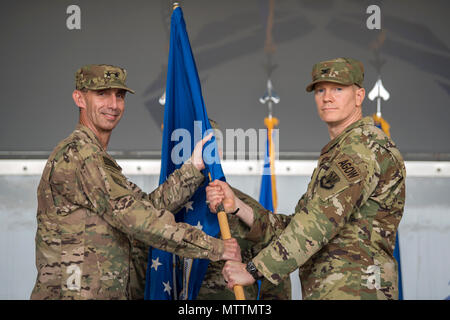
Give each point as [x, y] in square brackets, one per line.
[235, 273]
[217, 192]
[197, 154]
[232, 251]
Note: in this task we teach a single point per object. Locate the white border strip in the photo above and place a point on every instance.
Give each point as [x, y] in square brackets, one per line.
[248, 168]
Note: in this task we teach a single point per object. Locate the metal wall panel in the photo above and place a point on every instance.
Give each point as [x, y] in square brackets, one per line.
[424, 229]
[40, 56]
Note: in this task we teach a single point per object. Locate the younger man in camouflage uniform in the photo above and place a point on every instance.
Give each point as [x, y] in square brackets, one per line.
[90, 216]
[342, 234]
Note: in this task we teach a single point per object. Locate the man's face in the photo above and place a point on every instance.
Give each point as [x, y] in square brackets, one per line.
[104, 108]
[336, 102]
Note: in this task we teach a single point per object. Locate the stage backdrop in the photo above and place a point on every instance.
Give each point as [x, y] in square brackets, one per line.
[40, 54]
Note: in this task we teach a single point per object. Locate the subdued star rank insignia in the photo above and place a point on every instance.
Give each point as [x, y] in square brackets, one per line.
[108, 74]
[329, 181]
[324, 71]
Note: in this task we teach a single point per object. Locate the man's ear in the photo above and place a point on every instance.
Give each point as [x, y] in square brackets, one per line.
[360, 94]
[79, 99]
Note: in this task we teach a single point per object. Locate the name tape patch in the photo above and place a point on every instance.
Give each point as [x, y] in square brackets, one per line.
[348, 169]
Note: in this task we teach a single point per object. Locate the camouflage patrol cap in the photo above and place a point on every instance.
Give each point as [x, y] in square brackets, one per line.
[345, 71]
[101, 76]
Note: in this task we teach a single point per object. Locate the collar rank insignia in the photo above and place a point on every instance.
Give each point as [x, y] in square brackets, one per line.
[328, 181]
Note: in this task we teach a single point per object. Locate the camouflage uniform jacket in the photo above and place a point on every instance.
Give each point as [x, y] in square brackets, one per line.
[89, 215]
[342, 235]
[214, 286]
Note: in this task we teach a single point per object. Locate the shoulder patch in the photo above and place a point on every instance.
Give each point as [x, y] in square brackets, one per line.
[111, 165]
[348, 168]
[117, 182]
[329, 180]
[331, 183]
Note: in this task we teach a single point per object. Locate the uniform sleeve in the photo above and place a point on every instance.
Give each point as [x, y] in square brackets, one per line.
[337, 191]
[139, 262]
[237, 227]
[109, 196]
[170, 195]
[265, 226]
[179, 187]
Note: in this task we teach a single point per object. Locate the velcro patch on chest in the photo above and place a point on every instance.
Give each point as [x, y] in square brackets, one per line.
[348, 168]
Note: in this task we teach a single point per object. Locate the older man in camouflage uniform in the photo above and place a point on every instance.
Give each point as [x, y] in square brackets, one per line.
[342, 235]
[91, 218]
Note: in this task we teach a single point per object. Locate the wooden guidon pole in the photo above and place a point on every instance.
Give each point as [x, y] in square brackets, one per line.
[225, 231]
[226, 234]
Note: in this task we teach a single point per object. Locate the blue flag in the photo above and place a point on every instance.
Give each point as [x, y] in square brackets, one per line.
[397, 257]
[185, 123]
[265, 194]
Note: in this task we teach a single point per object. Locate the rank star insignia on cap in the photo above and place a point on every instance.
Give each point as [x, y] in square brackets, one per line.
[346, 71]
[101, 76]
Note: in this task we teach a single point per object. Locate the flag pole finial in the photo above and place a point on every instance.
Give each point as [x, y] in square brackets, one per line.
[175, 5]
